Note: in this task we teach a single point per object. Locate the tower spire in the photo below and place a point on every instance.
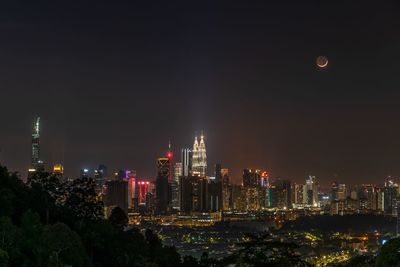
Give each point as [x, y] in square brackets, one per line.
[169, 151]
[36, 163]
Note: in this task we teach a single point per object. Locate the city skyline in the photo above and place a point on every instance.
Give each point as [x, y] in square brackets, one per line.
[113, 84]
[196, 155]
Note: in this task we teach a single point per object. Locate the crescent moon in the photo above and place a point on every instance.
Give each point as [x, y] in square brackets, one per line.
[323, 65]
[322, 62]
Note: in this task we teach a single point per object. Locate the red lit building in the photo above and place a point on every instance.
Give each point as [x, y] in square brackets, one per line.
[143, 189]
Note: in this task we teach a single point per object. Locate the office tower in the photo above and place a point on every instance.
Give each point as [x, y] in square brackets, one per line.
[100, 175]
[116, 195]
[194, 194]
[251, 178]
[36, 163]
[162, 185]
[337, 207]
[215, 191]
[391, 194]
[186, 159]
[238, 198]
[281, 194]
[252, 198]
[58, 169]
[214, 195]
[334, 191]
[264, 200]
[143, 189]
[342, 192]
[175, 186]
[310, 193]
[225, 189]
[199, 158]
[150, 202]
[217, 173]
[189, 194]
[177, 171]
[103, 170]
[204, 200]
[130, 177]
[84, 173]
[264, 179]
[120, 175]
[298, 195]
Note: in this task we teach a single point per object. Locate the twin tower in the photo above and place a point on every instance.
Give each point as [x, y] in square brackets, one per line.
[199, 157]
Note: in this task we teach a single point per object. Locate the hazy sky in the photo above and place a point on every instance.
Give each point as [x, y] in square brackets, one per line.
[113, 82]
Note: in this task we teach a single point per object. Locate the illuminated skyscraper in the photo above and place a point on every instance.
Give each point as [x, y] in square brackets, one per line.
[175, 186]
[100, 176]
[162, 185]
[84, 173]
[225, 189]
[36, 163]
[251, 178]
[58, 171]
[310, 193]
[170, 156]
[391, 192]
[186, 159]
[199, 161]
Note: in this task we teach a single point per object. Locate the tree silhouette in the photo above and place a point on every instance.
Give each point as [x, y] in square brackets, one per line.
[118, 217]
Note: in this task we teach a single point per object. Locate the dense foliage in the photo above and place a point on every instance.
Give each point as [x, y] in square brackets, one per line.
[49, 223]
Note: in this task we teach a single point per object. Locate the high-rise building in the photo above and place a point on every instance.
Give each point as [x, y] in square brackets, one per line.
[100, 175]
[391, 194]
[186, 159]
[116, 195]
[281, 194]
[251, 178]
[194, 195]
[298, 195]
[162, 185]
[143, 189]
[252, 198]
[214, 196]
[84, 173]
[130, 177]
[199, 157]
[36, 163]
[310, 193]
[225, 189]
[334, 191]
[175, 186]
[264, 182]
[342, 192]
[218, 174]
[215, 191]
[58, 171]
[177, 171]
[238, 198]
[190, 194]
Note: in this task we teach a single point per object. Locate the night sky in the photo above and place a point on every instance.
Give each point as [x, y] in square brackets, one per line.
[113, 82]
